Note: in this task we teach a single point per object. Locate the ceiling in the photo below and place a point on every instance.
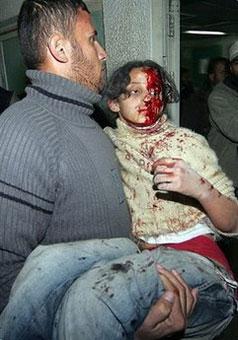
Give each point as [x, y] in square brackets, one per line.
[215, 15]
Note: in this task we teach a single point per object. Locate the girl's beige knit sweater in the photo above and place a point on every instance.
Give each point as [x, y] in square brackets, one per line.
[154, 213]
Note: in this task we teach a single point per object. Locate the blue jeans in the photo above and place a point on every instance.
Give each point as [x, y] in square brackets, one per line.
[103, 289]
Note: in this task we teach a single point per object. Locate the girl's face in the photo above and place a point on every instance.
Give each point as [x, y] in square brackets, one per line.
[143, 103]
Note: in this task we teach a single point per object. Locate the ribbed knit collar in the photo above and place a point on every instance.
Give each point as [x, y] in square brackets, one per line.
[61, 96]
[158, 127]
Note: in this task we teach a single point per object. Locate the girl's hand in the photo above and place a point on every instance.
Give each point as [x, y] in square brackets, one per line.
[173, 174]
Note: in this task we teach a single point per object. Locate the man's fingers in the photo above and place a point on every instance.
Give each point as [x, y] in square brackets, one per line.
[194, 293]
[169, 314]
[190, 303]
[188, 296]
[191, 294]
[174, 284]
[156, 318]
[165, 318]
[167, 283]
[160, 310]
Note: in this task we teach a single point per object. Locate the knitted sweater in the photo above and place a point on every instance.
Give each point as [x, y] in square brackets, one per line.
[155, 214]
[59, 177]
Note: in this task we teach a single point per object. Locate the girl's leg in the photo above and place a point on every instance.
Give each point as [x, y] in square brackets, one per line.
[44, 279]
[112, 300]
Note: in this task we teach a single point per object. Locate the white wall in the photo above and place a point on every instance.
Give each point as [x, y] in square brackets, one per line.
[127, 27]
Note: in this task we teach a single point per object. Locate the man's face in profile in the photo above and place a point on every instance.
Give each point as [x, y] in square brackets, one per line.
[87, 56]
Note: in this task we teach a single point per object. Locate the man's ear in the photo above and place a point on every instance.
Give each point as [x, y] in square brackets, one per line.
[113, 105]
[59, 48]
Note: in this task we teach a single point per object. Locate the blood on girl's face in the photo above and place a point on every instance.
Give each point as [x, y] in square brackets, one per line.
[143, 103]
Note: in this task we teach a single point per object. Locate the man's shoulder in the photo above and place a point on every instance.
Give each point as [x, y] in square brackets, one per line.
[221, 96]
[220, 89]
[14, 115]
[19, 108]
[25, 119]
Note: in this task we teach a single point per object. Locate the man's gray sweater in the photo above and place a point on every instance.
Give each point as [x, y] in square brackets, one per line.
[59, 177]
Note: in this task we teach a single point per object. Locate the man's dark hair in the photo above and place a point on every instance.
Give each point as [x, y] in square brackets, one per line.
[215, 61]
[38, 19]
[120, 79]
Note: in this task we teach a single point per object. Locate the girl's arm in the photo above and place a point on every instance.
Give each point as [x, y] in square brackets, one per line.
[173, 174]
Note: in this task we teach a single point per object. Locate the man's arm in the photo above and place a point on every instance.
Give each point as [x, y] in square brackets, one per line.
[26, 198]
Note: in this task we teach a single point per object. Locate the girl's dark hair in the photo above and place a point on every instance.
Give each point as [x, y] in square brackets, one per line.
[120, 79]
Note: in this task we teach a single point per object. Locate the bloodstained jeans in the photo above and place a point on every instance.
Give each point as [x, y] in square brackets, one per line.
[103, 289]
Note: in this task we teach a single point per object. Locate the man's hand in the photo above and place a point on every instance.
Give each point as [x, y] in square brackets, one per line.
[169, 314]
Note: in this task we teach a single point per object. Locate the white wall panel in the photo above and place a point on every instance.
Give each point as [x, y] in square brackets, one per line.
[127, 26]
